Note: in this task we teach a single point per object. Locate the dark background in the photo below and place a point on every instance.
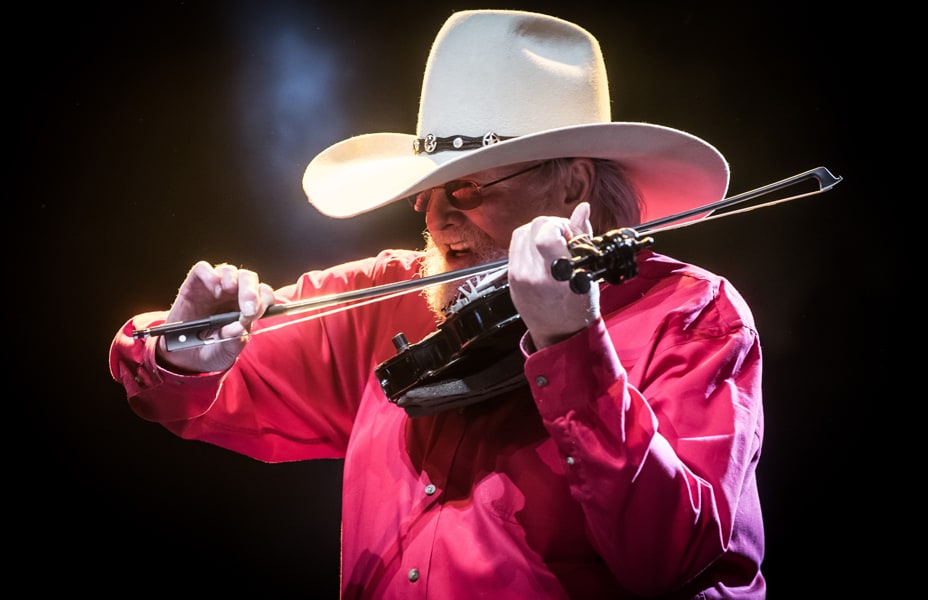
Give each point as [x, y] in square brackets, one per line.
[154, 134]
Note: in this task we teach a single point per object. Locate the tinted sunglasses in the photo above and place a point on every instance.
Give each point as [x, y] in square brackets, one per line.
[463, 194]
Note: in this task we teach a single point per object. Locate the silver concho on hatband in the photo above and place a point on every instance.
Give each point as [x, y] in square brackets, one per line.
[431, 144]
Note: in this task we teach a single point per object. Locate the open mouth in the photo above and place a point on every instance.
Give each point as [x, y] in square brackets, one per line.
[457, 251]
[457, 254]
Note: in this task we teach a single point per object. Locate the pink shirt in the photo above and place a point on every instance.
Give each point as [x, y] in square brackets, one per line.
[625, 468]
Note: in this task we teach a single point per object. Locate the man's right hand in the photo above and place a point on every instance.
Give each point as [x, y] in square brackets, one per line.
[209, 290]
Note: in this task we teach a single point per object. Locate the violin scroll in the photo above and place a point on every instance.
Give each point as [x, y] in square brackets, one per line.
[608, 257]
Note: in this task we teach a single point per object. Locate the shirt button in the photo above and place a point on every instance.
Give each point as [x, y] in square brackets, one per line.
[430, 489]
[413, 574]
[570, 460]
[541, 381]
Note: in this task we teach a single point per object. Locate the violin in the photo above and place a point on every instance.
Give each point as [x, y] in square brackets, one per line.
[486, 328]
[485, 331]
[469, 340]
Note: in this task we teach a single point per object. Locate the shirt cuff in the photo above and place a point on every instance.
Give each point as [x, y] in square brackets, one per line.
[568, 375]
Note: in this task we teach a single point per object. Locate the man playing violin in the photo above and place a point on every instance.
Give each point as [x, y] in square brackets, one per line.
[610, 452]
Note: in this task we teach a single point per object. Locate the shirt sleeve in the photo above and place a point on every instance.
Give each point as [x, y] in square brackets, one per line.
[657, 463]
[294, 391]
[275, 404]
[133, 365]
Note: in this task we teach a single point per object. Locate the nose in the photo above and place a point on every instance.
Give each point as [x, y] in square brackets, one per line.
[438, 210]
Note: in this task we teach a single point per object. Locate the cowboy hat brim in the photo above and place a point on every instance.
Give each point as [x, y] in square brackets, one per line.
[673, 170]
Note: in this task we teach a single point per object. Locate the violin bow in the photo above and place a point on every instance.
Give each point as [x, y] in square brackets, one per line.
[190, 334]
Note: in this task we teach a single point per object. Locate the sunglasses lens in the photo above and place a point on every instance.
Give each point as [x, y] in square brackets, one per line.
[463, 195]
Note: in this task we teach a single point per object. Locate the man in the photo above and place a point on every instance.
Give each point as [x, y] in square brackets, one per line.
[608, 451]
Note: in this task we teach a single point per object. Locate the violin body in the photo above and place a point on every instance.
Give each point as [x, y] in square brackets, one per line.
[487, 329]
[471, 339]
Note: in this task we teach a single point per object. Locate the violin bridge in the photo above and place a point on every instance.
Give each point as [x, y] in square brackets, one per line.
[476, 287]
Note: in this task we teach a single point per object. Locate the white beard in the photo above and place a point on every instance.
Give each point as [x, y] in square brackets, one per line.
[482, 250]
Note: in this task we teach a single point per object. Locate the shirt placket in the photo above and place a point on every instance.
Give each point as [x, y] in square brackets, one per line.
[424, 526]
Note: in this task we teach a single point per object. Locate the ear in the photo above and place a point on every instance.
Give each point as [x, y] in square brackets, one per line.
[579, 182]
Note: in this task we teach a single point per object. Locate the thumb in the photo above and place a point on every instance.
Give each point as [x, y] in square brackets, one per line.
[580, 220]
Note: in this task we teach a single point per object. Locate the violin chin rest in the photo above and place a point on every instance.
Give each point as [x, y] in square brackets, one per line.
[501, 376]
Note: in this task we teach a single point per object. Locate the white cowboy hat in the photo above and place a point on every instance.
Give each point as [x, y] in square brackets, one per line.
[504, 87]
